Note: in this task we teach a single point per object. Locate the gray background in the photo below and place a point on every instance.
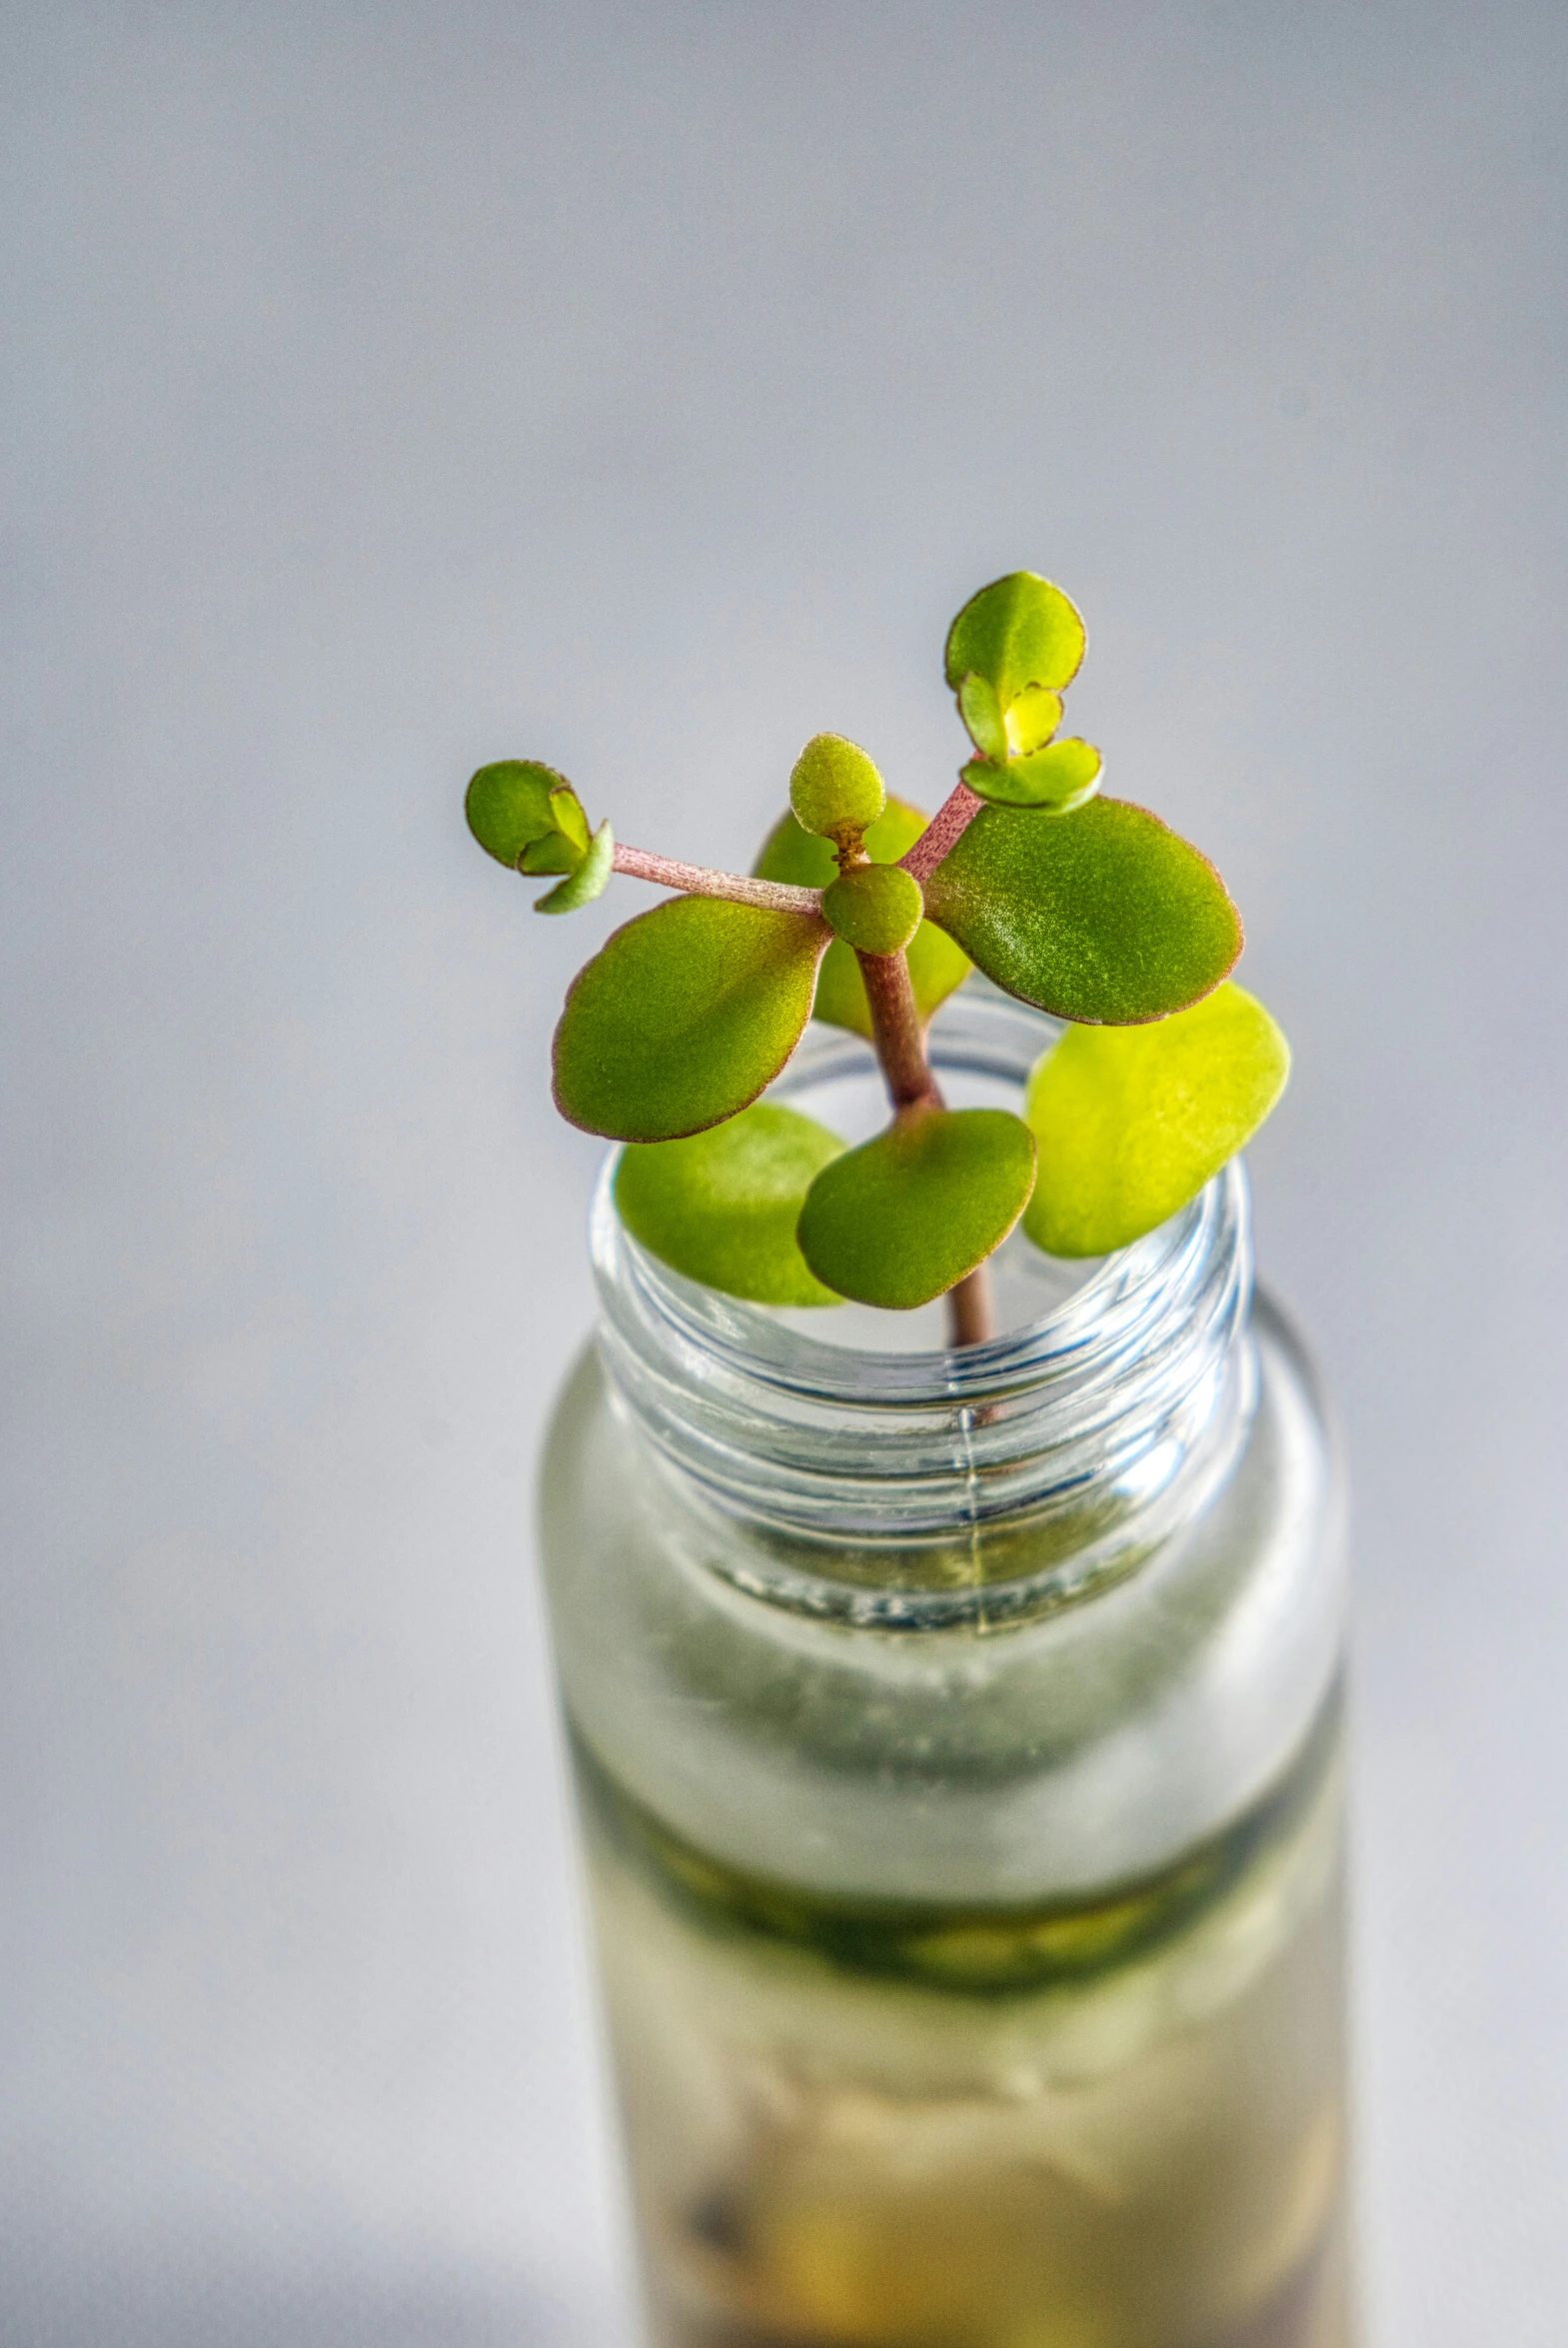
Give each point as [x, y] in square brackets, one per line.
[391, 387]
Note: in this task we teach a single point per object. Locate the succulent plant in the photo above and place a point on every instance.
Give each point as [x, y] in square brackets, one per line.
[866, 915]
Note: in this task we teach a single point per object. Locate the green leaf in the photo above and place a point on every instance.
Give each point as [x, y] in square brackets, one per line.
[1105, 917]
[1057, 778]
[936, 965]
[721, 1206]
[683, 1016]
[834, 787]
[875, 907]
[1132, 1121]
[981, 713]
[588, 879]
[901, 1220]
[553, 854]
[1032, 720]
[1017, 632]
[508, 806]
[566, 813]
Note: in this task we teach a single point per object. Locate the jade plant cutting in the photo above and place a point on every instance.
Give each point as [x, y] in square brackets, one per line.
[866, 914]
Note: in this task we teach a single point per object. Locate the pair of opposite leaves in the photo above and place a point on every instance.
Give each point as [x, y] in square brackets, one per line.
[1107, 919]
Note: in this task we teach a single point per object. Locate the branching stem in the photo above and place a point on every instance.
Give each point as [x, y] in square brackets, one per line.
[900, 1046]
[945, 828]
[896, 1018]
[702, 880]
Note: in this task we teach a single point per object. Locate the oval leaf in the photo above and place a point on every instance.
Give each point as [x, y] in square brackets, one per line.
[683, 1016]
[722, 1206]
[1032, 720]
[835, 789]
[508, 806]
[1017, 632]
[936, 965]
[981, 713]
[903, 1218]
[1106, 916]
[1132, 1121]
[1060, 778]
[566, 813]
[589, 880]
[875, 907]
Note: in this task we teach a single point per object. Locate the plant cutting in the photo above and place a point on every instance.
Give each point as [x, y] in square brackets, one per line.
[956, 1732]
[859, 909]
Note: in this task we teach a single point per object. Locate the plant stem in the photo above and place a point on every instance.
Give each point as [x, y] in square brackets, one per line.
[900, 1046]
[702, 880]
[945, 828]
[896, 1032]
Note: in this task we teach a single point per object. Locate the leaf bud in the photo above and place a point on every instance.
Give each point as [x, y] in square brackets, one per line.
[587, 876]
[508, 806]
[1019, 632]
[834, 789]
[876, 907]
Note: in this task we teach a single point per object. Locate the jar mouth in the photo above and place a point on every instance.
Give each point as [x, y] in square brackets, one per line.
[1085, 1410]
[1101, 1312]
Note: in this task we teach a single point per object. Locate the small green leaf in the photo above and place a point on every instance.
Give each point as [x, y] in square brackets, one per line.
[1032, 720]
[1019, 630]
[981, 713]
[1057, 780]
[834, 789]
[901, 1220]
[937, 965]
[566, 813]
[875, 907]
[1106, 916]
[588, 879]
[721, 1206]
[553, 854]
[508, 806]
[1132, 1121]
[683, 1016]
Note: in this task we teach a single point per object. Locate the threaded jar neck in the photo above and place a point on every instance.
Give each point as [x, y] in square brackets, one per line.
[908, 1488]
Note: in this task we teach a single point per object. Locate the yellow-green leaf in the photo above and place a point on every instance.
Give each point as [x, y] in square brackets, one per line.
[1057, 778]
[683, 1015]
[904, 1218]
[1019, 630]
[1104, 916]
[875, 907]
[982, 715]
[1032, 720]
[936, 965]
[1132, 1121]
[587, 879]
[834, 789]
[721, 1206]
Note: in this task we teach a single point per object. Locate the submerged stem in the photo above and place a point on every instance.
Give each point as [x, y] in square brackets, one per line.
[899, 1039]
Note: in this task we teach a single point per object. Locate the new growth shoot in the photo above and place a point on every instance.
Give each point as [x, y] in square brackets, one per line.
[863, 913]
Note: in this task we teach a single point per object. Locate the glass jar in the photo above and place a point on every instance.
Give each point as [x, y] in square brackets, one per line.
[957, 1743]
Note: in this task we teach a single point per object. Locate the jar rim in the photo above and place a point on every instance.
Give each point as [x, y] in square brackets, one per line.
[1096, 1409]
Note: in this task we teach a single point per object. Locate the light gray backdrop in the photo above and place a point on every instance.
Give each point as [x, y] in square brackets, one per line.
[391, 388]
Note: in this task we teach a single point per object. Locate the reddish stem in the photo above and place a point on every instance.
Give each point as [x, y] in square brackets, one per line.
[896, 1032]
[943, 834]
[702, 880]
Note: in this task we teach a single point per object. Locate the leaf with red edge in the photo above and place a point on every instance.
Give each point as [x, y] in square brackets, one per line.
[683, 1015]
[1106, 915]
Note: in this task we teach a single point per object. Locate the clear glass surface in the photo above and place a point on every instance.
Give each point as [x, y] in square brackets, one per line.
[959, 1749]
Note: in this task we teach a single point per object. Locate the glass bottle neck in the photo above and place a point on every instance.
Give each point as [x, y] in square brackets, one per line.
[908, 1490]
